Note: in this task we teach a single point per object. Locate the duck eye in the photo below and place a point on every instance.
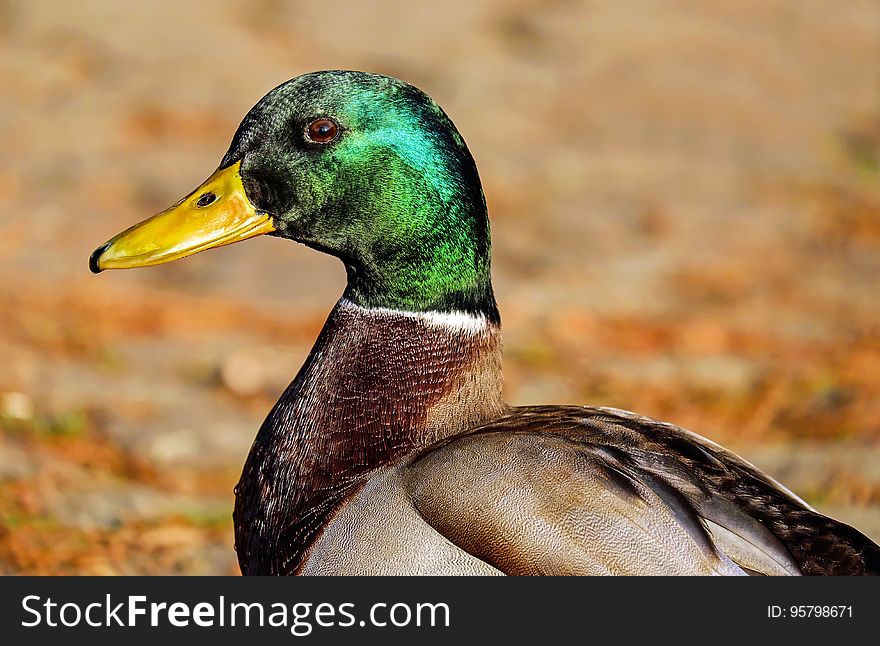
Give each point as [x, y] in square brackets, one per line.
[322, 131]
[205, 199]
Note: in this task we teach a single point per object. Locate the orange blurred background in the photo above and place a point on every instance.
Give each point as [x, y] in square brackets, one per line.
[685, 201]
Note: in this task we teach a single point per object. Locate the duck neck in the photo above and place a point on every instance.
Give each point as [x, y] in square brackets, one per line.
[378, 384]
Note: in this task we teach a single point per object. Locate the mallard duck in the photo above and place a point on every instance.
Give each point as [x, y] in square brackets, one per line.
[393, 451]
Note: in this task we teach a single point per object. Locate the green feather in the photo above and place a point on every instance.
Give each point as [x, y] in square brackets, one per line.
[396, 196]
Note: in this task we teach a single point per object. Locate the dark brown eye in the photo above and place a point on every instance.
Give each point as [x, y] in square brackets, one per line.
[322, 131]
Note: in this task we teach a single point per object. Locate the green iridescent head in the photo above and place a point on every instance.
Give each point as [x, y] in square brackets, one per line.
[362, 166]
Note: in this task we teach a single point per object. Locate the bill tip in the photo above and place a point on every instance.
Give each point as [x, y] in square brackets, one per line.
[96, 255]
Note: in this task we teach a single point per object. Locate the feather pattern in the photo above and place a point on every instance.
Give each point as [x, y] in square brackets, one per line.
[719, 498]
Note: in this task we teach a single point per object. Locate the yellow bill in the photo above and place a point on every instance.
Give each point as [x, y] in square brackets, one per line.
[217, 213]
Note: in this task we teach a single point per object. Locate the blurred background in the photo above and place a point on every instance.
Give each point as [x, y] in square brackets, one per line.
[685, 199]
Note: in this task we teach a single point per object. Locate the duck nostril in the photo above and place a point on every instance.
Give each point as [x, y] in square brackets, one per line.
[205, 199]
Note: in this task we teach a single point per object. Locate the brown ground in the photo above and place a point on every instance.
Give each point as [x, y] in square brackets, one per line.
[686, 213]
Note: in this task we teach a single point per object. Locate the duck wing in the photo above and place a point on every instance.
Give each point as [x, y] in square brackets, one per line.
[581, 490]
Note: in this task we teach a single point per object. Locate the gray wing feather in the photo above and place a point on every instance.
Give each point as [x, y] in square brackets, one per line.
[533, 504]
[590, 490]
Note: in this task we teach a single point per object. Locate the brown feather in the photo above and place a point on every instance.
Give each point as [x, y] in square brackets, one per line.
[375, 387]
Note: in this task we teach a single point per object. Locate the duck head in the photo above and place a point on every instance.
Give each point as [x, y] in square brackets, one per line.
[361, 166]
